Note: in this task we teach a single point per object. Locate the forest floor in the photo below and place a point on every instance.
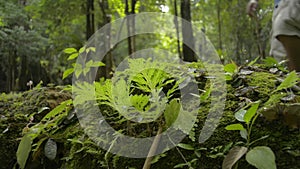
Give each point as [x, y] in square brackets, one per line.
[279, 121]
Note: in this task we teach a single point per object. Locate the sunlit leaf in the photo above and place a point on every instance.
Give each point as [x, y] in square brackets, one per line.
[67, 72]
[289, 81]
[251, 112]
[235, 127]
[70, 50]
[261, 157]
[254, 61]
[81, 50]
[230, 68]
[270, 61]
[73, 56]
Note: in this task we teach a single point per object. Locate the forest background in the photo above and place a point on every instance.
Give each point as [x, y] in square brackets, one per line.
[34, 33]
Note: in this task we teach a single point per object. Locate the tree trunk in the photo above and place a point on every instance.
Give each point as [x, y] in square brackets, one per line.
[177, 29]
[108, 58]
[130, 26]
[23, 74]
[90, 19]
[187, 32]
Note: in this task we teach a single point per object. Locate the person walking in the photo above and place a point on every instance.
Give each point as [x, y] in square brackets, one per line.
[285, 30]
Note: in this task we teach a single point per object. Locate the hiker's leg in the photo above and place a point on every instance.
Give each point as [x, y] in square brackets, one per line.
[286, 28]
[292, 47]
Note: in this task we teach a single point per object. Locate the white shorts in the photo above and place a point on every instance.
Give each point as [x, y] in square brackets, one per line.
[286, 21]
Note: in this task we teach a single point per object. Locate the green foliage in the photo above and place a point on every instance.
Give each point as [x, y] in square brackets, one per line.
[291, 80]
[230, 70]
[23, 150]
[258, 154]
[48, 122]
[185, 146]
[235, 127]
[250, 113]
[77, 68]
[261, 157]
[50, 149]
[233, 156]
[171, 112]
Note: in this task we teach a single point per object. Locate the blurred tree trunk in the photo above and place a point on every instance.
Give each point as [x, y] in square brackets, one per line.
[130, 25]
[90, 18]
[177, 28]
[187, 32]
[23, 74]
[108, 59]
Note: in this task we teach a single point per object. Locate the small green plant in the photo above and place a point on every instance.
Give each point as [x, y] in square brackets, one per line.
[79, 68]
[230, 70]
[42, 130]
[262, 157]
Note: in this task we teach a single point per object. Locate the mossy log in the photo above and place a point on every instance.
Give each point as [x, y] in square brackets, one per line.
[280, 121]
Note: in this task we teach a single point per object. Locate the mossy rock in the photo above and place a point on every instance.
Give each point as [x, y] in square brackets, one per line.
[15, 109]
[78, 151]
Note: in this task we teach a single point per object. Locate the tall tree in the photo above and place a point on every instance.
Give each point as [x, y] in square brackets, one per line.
[130, 11]
[177, 28]
[90, 18]
[187, 32]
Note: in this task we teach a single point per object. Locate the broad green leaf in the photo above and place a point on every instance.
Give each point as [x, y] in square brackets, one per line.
[73, 56]
[185, 146]
[235, 127]
[50, 149]
[289, 81]
[230, 68]
[70, 50]
[171, 112]
[81, 50]
[239, 115]
[261, 157]
[251, 112]
[233, 156]
[67, 72]
[24, 150]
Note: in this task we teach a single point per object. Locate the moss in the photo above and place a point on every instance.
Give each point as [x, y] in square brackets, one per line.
[264, 83]
[15, 109]
[77, 151]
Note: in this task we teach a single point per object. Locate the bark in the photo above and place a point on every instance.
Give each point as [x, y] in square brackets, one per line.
[187, 32]
[108, 59]
[219, 25]
[130, 21]
[90, 19]
[177, 29]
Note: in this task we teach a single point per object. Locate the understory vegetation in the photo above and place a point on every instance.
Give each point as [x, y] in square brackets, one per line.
[259, 126]
[162, 84]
